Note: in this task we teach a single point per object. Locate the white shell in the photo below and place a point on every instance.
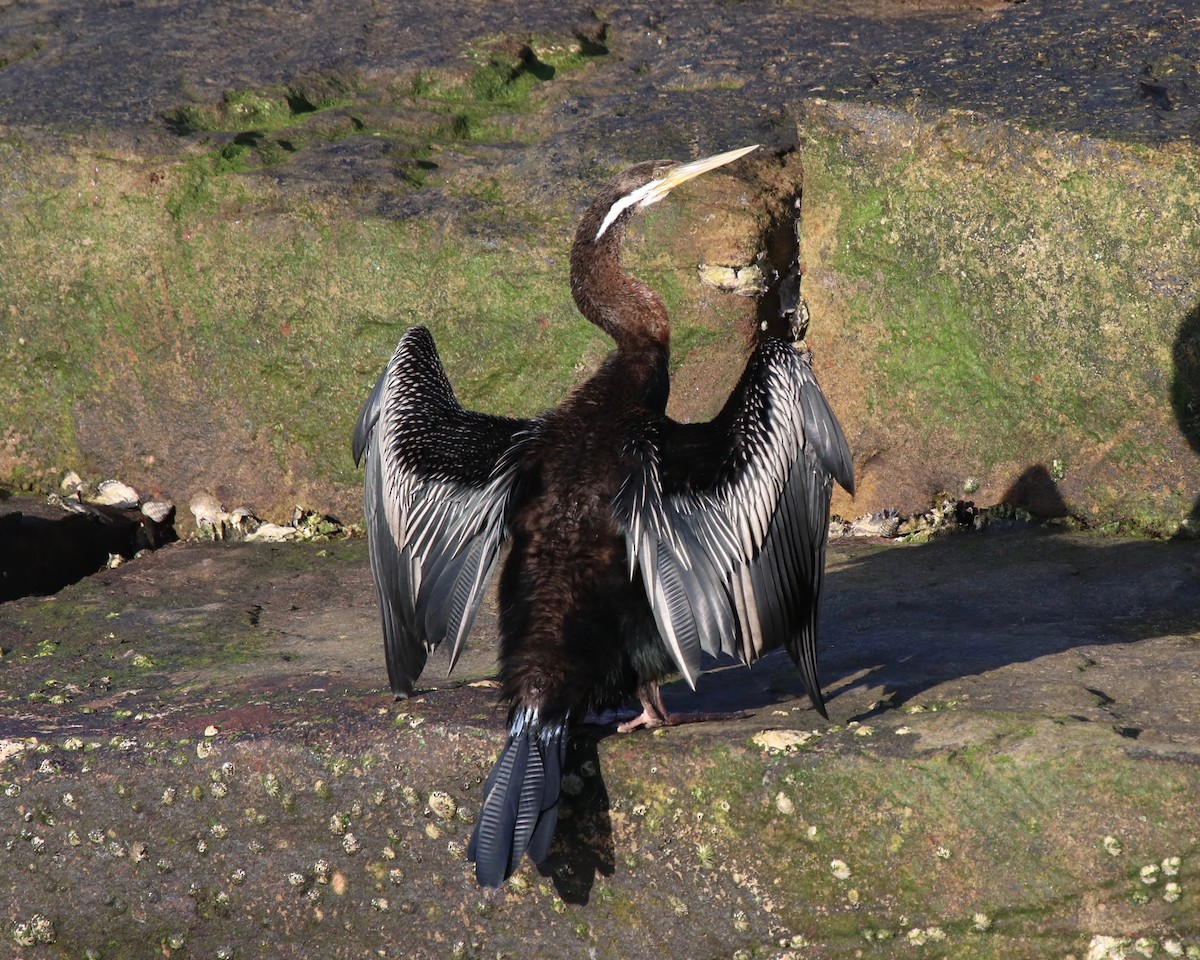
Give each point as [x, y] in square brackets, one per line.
[114, 493]
[157, 510]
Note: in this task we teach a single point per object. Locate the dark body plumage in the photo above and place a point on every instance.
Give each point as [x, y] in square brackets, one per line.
[636, 542]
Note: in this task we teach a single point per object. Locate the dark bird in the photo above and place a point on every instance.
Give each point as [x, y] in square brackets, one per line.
[636, 542]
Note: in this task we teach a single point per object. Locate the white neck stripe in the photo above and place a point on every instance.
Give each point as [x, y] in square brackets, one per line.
[637, 196]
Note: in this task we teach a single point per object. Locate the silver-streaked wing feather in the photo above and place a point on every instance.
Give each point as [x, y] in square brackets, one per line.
[437, 485]
[727, 520]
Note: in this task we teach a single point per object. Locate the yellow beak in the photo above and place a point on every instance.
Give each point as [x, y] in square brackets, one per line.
[655, 190]
[658, 189]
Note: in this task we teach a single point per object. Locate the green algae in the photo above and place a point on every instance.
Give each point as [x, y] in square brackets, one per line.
[996, 299]
[194, 288]
[871, 848]
[1011, 297]
[196, 283]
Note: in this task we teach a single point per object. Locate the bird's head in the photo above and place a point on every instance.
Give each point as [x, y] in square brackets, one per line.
[647, 183]
[623, 307]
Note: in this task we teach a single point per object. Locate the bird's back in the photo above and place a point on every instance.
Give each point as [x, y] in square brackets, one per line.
[569, 609]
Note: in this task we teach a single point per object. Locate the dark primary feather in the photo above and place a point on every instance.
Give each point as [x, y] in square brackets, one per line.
[437, 482]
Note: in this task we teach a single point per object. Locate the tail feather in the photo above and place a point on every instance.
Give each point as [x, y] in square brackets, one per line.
[520, 800]
[529, 808]
[543, 831]
[492, 842]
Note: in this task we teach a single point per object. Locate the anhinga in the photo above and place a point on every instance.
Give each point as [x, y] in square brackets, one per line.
[636, 542]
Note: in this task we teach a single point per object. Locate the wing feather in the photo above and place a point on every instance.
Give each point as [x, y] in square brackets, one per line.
[727, 520]
[437, 487]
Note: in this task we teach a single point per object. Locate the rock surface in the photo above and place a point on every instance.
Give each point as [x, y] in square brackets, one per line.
[199, 754]
[215, 220]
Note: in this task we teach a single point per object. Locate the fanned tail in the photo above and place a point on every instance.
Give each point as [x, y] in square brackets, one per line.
[520, 799]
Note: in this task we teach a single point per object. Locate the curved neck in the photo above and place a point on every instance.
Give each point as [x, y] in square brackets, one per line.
[624, 308]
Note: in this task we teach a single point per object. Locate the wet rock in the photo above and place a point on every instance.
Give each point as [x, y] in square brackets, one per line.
[282, 780]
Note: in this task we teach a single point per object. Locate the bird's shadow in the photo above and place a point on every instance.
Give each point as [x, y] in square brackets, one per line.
[583, 842]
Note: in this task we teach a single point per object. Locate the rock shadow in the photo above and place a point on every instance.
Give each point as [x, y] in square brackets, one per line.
[909, 619]
[901, 620]
[40, 556]
[1036, 492]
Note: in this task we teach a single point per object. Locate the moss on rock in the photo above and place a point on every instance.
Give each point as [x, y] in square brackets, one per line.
[991, 300]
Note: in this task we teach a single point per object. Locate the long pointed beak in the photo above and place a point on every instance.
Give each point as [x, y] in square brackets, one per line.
[655, 190]
[658, 189]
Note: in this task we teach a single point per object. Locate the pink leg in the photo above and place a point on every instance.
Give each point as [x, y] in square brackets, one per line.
[655, 714]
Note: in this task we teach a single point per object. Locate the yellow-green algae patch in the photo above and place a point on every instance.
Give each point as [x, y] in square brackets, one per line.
[1007, 299]
[999, 846]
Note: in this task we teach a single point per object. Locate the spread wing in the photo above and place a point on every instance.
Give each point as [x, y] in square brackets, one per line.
[727, 520]
[436, 491]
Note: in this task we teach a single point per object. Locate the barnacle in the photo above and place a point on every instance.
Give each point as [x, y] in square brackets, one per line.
[442, 805]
